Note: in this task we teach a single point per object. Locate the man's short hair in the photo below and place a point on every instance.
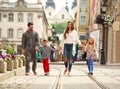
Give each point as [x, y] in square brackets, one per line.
[30, 23]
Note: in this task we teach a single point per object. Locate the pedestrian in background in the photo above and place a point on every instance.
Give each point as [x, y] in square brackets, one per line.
[91, 54]
[30, 42]
[56, 54]
[70, 39]
[45, 51]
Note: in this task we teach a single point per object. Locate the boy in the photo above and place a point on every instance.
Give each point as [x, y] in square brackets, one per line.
[46, 50]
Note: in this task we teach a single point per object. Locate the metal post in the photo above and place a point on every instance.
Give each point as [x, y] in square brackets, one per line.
[103, 47]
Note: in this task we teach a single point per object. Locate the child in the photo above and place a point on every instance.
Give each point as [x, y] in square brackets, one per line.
[46, 50]
[90, 49]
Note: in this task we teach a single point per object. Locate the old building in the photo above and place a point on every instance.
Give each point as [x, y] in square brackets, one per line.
[14, 18]
[83, 14]
[53, 16]
[113, 55]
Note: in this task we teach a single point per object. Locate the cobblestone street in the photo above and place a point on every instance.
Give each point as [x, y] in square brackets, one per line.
[105, 77]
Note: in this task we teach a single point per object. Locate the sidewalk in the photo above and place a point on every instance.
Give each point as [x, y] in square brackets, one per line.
[84, 63]
[9, 74]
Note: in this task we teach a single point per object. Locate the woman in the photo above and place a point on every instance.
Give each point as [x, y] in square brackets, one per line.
[91, 55]
[70, 39]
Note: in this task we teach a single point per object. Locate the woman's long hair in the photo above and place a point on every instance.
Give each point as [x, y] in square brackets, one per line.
[67, 29]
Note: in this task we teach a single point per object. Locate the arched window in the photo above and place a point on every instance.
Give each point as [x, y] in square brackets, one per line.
[10, 33]
[49, 13]
[63, 16]
[20, 17]
[19, 33]
[11, 17]
[83, 18]
[30, 17]
[0, 33]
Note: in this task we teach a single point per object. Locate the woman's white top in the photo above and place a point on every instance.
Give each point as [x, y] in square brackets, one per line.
[71, 38]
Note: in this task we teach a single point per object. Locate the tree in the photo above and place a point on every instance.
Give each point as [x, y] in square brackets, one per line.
[10, 49]
[59, 26]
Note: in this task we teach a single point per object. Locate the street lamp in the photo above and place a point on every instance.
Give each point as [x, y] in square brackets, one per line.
[105, 33]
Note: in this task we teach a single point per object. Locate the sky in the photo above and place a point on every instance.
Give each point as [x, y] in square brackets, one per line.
[59, 3]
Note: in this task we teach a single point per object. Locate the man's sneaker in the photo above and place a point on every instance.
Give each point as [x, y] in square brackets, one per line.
[35, 73]
[27, 74]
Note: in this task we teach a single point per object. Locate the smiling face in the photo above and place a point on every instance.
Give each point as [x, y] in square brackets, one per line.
[70, 25]
[45, 42]
[91, 40]
[30, 27]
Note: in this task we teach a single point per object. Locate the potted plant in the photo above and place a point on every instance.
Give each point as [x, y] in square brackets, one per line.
[20, 62]
[3, 66]
[9, 63]
[15, 61]
[22, 57]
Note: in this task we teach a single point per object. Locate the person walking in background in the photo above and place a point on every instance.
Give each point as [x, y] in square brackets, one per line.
[90, 49]
[70, 39]
[30, 42]
[45, 51]
[56, 54]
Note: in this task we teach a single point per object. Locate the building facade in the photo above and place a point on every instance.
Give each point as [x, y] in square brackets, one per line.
[113, 55]
[53, 16]
[83, 14]
[14, 18]
[109, 35]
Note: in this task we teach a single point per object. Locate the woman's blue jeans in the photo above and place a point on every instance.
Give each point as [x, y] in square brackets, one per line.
[68, 55]
[90, 64]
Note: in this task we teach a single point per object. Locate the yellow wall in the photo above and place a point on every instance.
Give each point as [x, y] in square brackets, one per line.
[118, 46]
[81, 27]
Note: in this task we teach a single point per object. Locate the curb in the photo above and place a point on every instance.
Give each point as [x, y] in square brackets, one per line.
[9, 74]
[62, 63]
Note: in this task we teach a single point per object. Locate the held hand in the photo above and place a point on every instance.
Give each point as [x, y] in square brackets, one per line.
[36, 48]
[59, 48]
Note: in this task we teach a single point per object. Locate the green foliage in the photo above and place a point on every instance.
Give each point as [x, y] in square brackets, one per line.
[59, 26]
[10, 49]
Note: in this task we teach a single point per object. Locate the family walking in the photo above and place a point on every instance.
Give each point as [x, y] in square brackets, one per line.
[30, 43]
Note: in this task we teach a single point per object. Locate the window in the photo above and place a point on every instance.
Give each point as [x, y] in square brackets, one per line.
[49, 13]
[0, 17]
[11, 4]
[83, 18]
[19, 33]
[11, 17]
[83, 4]
[0, 32]
[63, 16]
[20, 17]
[82, 37]
[10, 33]
[30, 17]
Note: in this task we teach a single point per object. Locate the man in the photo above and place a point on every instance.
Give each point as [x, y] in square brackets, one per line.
[30, 42]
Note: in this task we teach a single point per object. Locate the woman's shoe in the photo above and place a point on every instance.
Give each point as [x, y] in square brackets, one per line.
[91, 73]
[68, 73]
[65, 71]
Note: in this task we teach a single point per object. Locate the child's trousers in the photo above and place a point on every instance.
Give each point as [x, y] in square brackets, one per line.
[90, 63]
[46, 65]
